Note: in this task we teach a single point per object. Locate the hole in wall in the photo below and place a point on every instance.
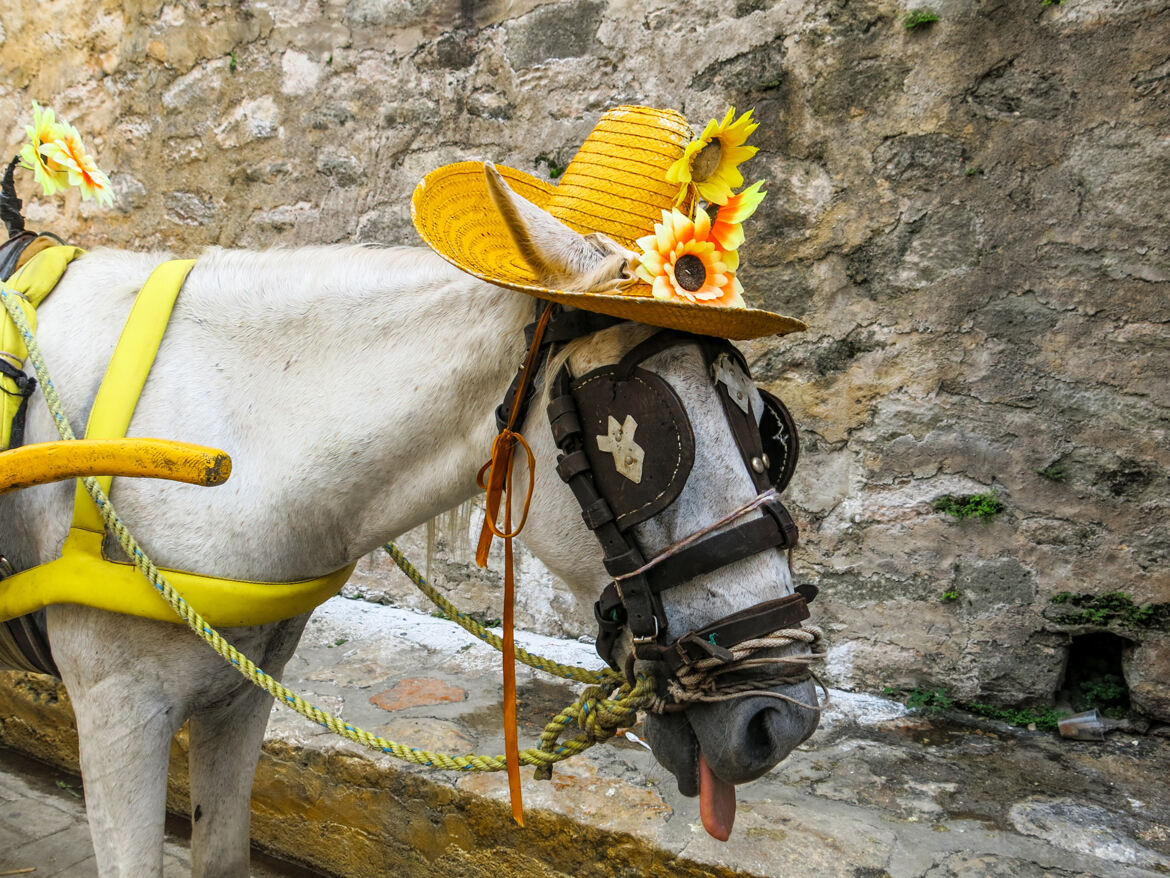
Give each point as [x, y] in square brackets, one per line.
[1093, 675]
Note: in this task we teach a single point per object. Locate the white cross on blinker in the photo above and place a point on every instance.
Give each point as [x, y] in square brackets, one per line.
[627, 454]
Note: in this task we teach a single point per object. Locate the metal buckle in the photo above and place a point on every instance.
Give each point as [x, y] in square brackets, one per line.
[650, 639]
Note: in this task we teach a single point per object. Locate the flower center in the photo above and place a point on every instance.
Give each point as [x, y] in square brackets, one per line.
[707, 160]
[690, 272]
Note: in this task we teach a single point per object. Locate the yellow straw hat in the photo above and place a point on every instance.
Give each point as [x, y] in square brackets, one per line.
[615, 185]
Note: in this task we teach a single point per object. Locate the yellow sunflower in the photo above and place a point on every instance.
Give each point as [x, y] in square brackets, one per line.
[44, 129]
[711, 162]
[681, 263]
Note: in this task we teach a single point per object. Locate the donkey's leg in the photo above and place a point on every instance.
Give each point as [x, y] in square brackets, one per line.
[225, 746]
[126, 717]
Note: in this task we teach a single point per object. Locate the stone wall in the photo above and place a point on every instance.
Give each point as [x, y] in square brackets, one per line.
[970, 215]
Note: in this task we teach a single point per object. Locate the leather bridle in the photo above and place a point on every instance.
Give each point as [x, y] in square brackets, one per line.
[633, 599]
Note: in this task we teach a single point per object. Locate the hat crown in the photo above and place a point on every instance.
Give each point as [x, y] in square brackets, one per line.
[616, 184]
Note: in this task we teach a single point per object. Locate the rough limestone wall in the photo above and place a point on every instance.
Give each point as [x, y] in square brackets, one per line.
[971, 217]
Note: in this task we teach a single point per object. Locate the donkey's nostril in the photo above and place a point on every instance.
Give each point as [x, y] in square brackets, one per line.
[758, 741]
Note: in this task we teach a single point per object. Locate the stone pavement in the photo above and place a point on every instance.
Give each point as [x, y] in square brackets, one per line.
[44, 832]
[876, 792]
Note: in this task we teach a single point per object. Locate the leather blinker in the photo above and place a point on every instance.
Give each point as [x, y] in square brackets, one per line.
[638, 439]
[780, 441]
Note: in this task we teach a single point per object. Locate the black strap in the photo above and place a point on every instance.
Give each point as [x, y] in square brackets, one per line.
[11, 251]
[25, 385]
[645, 349]
[564, 325]
[643, 610]
[723, 548]
[717, 638]
[30, 635]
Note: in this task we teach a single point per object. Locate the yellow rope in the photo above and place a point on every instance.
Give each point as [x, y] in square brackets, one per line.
[596, 713]
[568, 672]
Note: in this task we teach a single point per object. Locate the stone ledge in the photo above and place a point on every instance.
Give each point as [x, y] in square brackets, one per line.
[874, 790]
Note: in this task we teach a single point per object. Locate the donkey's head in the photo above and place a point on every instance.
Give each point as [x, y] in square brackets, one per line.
[665, 503]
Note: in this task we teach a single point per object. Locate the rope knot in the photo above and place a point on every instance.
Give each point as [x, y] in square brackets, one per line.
[598, 712]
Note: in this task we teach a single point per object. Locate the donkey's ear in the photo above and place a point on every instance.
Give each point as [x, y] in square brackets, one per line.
[560, 257]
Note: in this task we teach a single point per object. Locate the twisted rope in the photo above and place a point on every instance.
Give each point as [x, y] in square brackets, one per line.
[590, 704]
[567, 672]
[699, 681]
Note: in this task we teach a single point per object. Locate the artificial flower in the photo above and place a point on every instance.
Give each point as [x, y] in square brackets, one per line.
[726, 227]
[44, 129]
[67, 151]
[682, 263]
[711, 162]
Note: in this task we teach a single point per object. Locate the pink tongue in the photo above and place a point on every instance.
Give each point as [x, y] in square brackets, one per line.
[716, 802]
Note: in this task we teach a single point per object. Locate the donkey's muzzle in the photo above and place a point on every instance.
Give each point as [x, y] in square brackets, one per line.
[741, 739]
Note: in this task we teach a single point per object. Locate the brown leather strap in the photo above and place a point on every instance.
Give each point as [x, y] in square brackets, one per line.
[645, 349]
[717, 639]
[642, 610]
[723, 548]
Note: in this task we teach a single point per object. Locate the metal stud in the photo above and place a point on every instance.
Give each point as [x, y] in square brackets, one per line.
[758, 464]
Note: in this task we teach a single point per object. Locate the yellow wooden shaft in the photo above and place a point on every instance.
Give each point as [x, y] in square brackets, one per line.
[148, 458]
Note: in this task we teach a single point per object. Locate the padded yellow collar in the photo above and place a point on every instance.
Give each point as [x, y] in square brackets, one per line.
[83, 575]
[34, 281]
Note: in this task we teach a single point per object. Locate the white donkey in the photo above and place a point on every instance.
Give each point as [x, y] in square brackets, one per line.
[355, 390]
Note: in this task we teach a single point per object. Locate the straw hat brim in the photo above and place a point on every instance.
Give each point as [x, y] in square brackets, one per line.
[454, 214]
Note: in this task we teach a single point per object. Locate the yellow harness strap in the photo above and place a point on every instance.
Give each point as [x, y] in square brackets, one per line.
[83, 575]
[117, 397]
[34, 281]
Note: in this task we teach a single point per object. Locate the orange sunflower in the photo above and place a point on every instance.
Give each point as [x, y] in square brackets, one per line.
[68, 152]
[727, 228]
[711, 162]
[682, 263]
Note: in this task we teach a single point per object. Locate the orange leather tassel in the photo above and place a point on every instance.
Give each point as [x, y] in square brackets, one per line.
[498, 487]
[511, 733]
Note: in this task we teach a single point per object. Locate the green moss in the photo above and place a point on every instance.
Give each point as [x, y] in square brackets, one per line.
[1111, 608]
[927, 700]
[932, 701]
[919, 18]
[233, 62]
[969, 505]
[484, 620]
[555, 168]
[1044, 718]
[1053, 472]
[950, 595]
[1107, 692]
